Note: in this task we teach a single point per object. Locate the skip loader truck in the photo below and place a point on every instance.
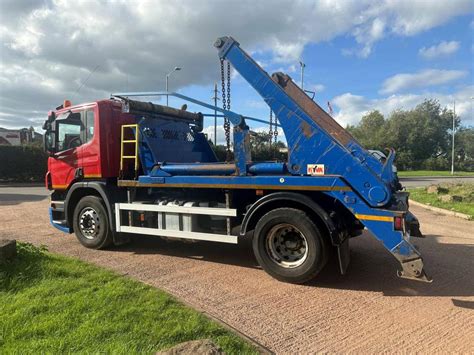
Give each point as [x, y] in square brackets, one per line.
[120, 168]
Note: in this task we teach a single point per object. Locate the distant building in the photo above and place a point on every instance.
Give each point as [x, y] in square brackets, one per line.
[17, 137]
[10, 137]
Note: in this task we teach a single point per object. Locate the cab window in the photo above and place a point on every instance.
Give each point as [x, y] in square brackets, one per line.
[88, 125]
[69, 135]
[75, 129]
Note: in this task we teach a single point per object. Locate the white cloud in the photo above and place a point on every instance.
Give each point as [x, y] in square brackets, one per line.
[287, 52]
[317, 88]
[209, 131]
[410, 17]
[442, 49]
[49, 47]
[424, 78]
[367, 34]
[352, 107]
[402, 18]
[257, 104]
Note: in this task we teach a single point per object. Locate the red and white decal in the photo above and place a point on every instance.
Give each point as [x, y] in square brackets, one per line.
[315, 169]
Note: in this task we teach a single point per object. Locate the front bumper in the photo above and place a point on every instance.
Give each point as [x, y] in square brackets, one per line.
[58, 224]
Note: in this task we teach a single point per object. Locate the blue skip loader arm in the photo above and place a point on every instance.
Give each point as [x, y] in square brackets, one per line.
[315, 146]
[317, 140]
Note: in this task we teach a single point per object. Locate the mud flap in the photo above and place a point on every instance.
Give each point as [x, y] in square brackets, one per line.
[344, 256]
[413, 225]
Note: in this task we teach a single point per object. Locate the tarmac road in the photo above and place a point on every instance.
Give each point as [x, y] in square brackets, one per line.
[421, 181]
[367, 310]
[11, 194]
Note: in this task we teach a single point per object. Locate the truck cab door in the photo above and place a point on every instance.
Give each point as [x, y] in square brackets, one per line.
[90, 149]
[66, 160]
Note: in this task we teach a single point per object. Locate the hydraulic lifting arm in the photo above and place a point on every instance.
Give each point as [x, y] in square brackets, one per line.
[322, 142]
[314, 137]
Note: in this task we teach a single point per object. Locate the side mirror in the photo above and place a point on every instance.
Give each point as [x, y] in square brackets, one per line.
[50, 142]
[47, 123]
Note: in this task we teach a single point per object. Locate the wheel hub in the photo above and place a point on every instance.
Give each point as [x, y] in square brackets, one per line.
[89, 223]
[287, 246]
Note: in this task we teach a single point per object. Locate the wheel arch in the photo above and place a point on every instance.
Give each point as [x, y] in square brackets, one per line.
[95, 188]
[295, 200]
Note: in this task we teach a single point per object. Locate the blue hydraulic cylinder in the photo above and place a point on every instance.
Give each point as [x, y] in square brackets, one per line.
[198, 169]
[216, 169]
[270, 168]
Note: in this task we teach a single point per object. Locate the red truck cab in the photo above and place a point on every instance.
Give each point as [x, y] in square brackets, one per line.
[83, 142]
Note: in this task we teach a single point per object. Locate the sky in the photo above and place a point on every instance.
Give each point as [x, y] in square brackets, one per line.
[359, 55]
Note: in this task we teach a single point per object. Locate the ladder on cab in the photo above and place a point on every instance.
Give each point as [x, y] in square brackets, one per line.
[126, 129]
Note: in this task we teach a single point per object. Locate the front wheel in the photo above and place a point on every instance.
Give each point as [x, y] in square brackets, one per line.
[91, 223]
[289, 246]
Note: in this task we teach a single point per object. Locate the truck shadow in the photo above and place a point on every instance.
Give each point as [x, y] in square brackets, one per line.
[229, 254]
[463, 304]
[15, 199]
[372, 268]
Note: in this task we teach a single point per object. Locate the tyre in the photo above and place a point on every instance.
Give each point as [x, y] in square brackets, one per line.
[91, 223]
[289, 246]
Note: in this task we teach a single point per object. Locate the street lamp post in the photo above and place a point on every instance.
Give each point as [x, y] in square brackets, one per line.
[452, 149]
[302, 65]
[167, 79]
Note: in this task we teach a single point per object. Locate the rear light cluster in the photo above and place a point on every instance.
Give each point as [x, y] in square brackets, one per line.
[398, 223]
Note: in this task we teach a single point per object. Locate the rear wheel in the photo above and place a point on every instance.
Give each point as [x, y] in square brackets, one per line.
[91, 223]
[289, 246]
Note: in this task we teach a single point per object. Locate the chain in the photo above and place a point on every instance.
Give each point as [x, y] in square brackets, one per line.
[227, 124]
[275, 132]
[226, 104]
[228, 85]
[270, 132]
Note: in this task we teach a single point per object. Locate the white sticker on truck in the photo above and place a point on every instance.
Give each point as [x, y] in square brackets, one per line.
[315, 169]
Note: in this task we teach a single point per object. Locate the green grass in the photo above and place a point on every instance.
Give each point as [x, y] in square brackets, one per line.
[433, 173]
[466, 191]
[53, 304]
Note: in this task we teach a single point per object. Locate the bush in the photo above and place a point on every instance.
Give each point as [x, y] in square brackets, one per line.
[440, 163]
[465, 165]
[22, 164]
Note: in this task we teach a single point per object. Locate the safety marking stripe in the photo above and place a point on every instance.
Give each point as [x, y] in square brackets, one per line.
[127, 183]
[59, 187]
[93, 175]
[370, 217]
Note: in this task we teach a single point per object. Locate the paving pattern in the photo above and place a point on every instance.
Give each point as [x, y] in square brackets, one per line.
[368, 310]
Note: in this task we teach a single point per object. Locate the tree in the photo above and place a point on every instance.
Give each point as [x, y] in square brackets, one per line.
[421, 136]
[370, 131]
[260, 148]
[422, 133]
[464, 146]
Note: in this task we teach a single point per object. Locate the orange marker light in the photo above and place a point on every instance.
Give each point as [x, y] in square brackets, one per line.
[66, 103]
